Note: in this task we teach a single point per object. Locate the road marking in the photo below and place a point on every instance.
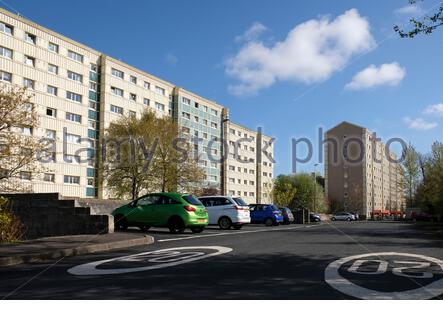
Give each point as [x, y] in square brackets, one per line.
[232, 233]
[338, 282]
[159, 259]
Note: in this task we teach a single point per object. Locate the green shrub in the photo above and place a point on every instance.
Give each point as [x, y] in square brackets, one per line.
[11, 229]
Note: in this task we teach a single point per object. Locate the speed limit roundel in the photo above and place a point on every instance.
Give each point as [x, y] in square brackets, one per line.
[407, 267]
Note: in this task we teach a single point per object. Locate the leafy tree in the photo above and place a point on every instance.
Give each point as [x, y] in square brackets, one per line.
[429, 193]
[18, 152]
[306, 190]
[425, 25]
[283, 192]
[146, 155]
[411, 168]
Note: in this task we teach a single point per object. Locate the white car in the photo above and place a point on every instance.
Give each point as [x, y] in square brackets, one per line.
[226, 211]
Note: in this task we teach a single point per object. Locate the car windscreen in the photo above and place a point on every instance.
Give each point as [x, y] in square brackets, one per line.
[240, 202]
[274, 207]
[192, 200]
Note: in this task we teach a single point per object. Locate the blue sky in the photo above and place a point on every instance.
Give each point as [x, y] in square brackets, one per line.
[266, 78]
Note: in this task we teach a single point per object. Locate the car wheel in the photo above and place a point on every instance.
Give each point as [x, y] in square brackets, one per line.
[224, 223]
[349, 219]
[120, 222]
[145, 228]
[237, 226]
[333, 219]
[269, 222]
[176, 225]
[197, 229]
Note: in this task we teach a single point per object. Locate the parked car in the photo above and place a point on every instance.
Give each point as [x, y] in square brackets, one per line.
[172, 210]
[265, 213]
[343, 216]
[418, 215]
[314, 217]
[288, 217]
[226, 211]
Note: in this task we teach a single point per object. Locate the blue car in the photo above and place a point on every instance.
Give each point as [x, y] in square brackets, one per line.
[268, 214]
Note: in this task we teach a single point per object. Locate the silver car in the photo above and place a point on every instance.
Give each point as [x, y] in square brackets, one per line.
[343, 216]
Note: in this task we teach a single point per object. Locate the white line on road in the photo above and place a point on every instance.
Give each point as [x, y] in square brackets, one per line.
[234, 233]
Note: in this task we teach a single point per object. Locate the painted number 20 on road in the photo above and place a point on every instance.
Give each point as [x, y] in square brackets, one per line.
[411, 267]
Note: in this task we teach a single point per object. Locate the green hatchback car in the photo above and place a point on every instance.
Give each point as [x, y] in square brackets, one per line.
[172, 210]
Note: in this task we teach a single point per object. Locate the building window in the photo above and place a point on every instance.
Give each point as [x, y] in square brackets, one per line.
[186, 101]
[117, 91]
[93, 67]
[28, 83]
[75, 76]
[25, 175]
[93, 86]
[6, 28]
[117, 73]
[75, 56]
[146, 101]
[147, 85]
[71, 179]
[159, 106]
[231, 180]
[186, 115]
[132, 114]
[214, 125]
[73, 138]
[93, 105]
[133, 96]
[30, 38]
[186, 130]
[73, 96]
[73, 117]
[49, 177]
[52, 68]
[50, 134]
[160, 90]
[133, 79]
[27, 131]
[52, 90]
[50, 112]
[53, 47]
[5, 52]
[5, 76]
[196, 119]
[214, 112]
[116, 109]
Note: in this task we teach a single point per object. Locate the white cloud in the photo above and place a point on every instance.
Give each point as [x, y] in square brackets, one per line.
[171, 59]
[252, 33]
[390, 74]
[419, 124]
[311, 52]
[409, 10]
[435, 110]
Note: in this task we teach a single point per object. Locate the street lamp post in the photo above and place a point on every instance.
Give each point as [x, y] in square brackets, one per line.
[314, 190]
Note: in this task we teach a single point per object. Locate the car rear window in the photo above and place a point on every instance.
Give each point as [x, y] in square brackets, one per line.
[240, 202]
[192, 200]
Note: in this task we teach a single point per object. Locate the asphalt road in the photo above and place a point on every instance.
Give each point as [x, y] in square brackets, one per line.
[285, 262]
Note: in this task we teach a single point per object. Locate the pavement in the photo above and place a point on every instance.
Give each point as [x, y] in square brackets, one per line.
[51, 248]
[340, 260]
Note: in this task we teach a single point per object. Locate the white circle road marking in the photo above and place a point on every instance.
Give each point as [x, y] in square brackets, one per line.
[335, 280]
[90, 269]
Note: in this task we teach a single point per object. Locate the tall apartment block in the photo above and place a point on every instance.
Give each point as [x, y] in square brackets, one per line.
[249, 174]
[360, 173]
[78, 91]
